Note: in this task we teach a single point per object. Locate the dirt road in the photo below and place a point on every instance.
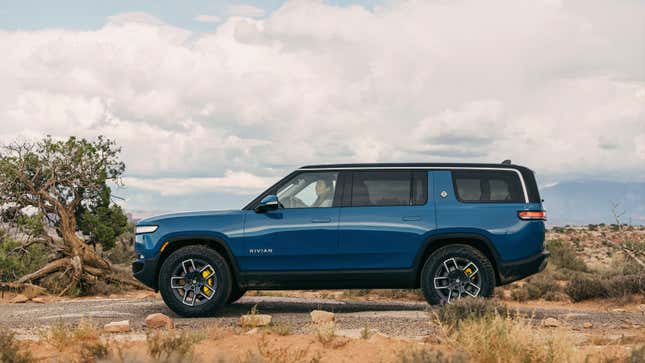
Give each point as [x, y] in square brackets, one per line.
[396, 318]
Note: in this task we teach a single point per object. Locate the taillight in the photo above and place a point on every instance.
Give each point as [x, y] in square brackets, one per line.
[532, 214]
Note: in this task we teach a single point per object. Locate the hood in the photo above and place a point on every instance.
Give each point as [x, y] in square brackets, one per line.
[166, 216]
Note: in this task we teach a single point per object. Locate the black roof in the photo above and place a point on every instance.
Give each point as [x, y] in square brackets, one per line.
[414, 165]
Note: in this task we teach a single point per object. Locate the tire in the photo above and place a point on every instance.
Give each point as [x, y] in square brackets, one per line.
[442, 282]
[205, 263]
[236, 294]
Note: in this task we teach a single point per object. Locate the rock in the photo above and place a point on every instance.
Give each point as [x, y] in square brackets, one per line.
[19, 299]
[252, 331]
[158, 320]
[39, 300]
[641, 307]
[117, 326]
[551, 322]
[321, 316]
[618, 310]
[253, 320]
[587, 325]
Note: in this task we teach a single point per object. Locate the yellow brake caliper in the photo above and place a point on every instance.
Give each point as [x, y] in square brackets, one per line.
[468, 272]
[206, 289]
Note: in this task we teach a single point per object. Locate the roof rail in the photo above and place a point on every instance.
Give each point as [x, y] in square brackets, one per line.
[506, 162]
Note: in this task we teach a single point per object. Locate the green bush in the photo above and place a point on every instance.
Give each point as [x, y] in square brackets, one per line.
[564, 255]
[15, 262]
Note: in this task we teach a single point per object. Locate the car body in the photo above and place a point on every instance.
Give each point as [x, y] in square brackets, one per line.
[356, 226]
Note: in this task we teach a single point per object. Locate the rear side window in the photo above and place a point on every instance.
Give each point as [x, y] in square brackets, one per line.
[389, 188]
[484, 186]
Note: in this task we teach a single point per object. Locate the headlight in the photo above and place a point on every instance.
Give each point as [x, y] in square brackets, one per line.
[145, 229]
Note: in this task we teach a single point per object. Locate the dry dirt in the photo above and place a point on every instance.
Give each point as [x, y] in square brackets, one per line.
[395, 325]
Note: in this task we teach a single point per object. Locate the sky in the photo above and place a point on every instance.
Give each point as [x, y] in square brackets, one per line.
[212, 101]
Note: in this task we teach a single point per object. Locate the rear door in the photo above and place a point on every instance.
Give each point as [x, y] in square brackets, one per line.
[386, 216]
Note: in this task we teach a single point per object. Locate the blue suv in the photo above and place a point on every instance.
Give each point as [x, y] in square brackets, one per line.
[453, 230]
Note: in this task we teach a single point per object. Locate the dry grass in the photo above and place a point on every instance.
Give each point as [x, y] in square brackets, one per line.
[504, 339]
[415, 354]
[171, 345]
[10, 349]
[452, 315]
[281, 329]
[61, 335]
[325, 332]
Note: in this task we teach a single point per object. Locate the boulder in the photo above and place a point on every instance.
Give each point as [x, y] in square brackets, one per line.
[117, 326]
[321, 316]
[253, 320]
[551, 322]
[587, 325]
[158, 320]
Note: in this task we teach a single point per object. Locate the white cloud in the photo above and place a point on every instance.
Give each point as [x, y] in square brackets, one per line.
[235, 182]
[245, 10]
[204, 18]
[558, 86]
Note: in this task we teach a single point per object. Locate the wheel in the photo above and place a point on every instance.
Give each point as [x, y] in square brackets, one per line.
[236, 294]
[457, 271]
[194, 281]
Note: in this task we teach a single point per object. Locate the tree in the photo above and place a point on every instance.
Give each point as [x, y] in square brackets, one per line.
[66, 180]
[102, 220]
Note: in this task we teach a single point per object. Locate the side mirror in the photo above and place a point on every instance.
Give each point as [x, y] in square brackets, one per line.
[270, 202]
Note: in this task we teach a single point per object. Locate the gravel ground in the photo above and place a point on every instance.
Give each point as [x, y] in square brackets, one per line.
[396, 318]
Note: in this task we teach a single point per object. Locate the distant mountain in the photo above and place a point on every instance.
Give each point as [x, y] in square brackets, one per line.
[585, 202]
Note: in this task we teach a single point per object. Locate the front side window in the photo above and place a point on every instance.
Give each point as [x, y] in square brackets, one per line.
[381, 188]
[501, 186]
[309, 190]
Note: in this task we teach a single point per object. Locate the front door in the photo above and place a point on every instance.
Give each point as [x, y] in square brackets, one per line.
[302, 234]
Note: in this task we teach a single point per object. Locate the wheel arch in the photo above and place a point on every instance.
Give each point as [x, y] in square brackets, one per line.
[217, 244]
[474, 240]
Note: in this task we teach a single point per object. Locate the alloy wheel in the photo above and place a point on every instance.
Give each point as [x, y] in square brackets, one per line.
[193, 282]
[455, 278]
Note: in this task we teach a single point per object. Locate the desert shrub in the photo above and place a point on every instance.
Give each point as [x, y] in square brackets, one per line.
[536, 287]
[637, 355]
[16, 262]
[414, 354]
[587, 286]
[91, 352]
[496, 338]
[469, 309]
[121, 253]
[520, 294]
[170, 345]
[10, 351]
[564, 255]
[584, 288]
[61, 335]
[282, 328]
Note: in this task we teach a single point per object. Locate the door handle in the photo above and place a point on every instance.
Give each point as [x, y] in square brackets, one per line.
[411, 218]
[321, 220]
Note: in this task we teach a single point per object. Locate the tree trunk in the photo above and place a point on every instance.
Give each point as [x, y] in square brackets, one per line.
[81, 260]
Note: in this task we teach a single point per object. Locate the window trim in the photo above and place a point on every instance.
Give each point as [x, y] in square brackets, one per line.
[430, 168]
[454, 186]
